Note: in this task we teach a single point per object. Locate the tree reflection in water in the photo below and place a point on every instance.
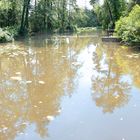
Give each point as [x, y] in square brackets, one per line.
[110, 90]
[33, 83]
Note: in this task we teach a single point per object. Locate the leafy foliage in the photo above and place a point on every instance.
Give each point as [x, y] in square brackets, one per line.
[5, 36]
[109, 12]
[86, 18]
[128, 28]
[9, 13]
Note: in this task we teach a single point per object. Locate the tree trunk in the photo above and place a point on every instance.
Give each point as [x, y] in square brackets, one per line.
[44, 14]
[63, 15]
[24, 18]
[26, 24]
[110, 13]
[49, 16]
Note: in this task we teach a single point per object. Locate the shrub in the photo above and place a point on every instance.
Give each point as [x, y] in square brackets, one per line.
[5, 36]
[13, 30]
[128, 28]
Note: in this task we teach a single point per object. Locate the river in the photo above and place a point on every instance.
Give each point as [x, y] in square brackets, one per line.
[69, 88]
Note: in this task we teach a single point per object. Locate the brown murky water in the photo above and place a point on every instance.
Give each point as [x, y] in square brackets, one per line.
[69, 88]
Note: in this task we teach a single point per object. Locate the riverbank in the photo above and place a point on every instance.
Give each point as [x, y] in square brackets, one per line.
[11, 33]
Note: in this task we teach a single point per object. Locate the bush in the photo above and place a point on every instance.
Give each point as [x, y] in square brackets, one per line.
[128, 28]
[13, 30]
[5, 36]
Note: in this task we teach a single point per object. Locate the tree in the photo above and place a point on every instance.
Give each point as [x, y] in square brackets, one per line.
[24, 20]
[86, 18]
[110, 11]
[9, 13]
[128, 27]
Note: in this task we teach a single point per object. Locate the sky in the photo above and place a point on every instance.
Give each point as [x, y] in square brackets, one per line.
[82, 3]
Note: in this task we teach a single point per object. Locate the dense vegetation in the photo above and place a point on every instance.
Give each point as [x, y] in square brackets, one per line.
[128, 28]
[121, 15]
[20, 17]
[44, 15]
[109, 12]
[5, 36]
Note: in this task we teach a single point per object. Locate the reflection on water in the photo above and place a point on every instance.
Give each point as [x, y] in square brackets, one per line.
[43, 79]
[110, 90]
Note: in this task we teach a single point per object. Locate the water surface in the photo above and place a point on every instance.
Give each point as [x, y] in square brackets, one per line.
[69, 88]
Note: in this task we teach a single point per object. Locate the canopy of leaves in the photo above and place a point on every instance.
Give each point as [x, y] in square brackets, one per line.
[128, 28]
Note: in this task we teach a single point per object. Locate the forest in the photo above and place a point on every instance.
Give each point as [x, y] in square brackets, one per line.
[27, 17]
